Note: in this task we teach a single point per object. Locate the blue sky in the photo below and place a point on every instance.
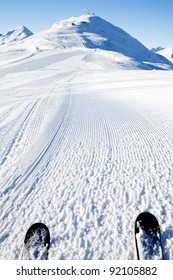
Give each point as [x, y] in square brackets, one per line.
[150, 21]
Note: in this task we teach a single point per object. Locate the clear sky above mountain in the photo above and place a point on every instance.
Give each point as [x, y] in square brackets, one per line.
[150, 21]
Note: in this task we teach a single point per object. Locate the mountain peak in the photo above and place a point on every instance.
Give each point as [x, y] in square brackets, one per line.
[20, 31]
[94, 32]
[75, 20]
[17, 34]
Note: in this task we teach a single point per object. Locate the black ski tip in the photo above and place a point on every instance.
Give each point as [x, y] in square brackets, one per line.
[36, 242]
[38, 227]
[147, 221]
[150, 243]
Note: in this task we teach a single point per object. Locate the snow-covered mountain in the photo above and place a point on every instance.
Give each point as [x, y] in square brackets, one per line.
[93, 32]
[90, 32]
[167, 52]
[15, 35]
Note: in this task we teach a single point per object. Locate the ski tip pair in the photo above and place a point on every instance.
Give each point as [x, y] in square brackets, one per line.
[147, 233]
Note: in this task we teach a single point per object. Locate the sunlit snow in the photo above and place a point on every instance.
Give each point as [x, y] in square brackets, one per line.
[86, 143]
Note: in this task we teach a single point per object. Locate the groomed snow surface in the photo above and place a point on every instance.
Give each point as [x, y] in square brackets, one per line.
[85, 146]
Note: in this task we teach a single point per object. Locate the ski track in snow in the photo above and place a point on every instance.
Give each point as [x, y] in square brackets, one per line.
[83, 155]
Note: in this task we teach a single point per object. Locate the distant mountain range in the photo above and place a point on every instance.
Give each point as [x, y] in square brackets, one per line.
[157, 49]
[86, 31]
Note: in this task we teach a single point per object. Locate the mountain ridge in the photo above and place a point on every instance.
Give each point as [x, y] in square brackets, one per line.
[89, 32]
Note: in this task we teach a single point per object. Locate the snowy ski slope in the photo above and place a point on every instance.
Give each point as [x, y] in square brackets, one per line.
[85, 139]
[85, 146]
